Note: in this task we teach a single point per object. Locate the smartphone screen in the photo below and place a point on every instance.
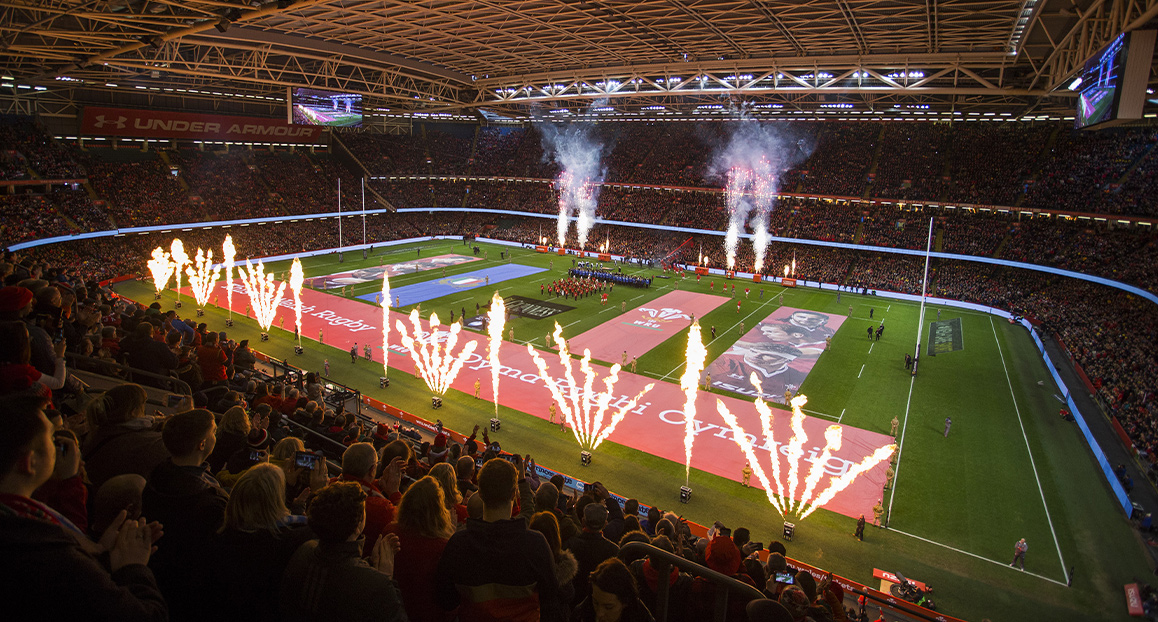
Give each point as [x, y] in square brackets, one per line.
[306, 460]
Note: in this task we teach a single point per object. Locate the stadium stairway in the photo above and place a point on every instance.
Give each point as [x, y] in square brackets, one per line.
[868, 189]
[1135, 164]
[1042, 158]
[1001, 246]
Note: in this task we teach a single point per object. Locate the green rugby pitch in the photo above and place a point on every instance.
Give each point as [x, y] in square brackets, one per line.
[1010, 468]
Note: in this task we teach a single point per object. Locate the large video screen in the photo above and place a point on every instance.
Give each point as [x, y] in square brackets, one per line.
[1114, 81]
[328, 108]
[1101, 84]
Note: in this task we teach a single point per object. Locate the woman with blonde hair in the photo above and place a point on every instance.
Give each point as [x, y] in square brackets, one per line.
[566, 566]
[452, 498]
[423, 526]
[123, 439]
[254, 546]
[236, 432]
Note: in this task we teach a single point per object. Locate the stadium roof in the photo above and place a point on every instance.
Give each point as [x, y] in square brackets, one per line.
[507, 59]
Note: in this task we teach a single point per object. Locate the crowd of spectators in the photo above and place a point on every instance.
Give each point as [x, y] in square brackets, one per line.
[1082, 171]
[29, 147]
[912, 161]
[241, 499]
[982, 162]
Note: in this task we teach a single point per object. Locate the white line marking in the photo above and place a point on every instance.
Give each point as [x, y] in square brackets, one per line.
[817, 413]
[871, 347]
[860, 372]
[900, 449]
[1026, 438]
[839, 419]
[976, 556]
[887, 308]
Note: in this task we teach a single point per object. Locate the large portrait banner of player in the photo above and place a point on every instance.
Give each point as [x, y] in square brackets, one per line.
[781, 349]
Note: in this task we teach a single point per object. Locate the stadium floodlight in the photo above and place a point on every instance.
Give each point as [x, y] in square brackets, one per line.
[1075, 84]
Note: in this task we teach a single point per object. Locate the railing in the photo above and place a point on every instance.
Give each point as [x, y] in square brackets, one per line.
[131, 374]
[664, 560]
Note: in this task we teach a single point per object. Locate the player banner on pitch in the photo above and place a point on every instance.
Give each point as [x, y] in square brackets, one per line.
[365, 275]
[643, 328]
[781, 349]
[946, 336]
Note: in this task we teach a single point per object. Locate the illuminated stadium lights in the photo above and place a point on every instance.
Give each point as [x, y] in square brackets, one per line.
[901, 74]
[841, 105]
[823, 75]
[654, 108]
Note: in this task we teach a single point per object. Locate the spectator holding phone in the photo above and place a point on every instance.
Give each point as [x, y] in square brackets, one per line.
[44, 551]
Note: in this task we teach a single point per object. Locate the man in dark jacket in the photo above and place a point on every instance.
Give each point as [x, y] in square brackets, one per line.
[590, 547]
[517, 580]
[191, 504]
[327, 579]
[148, 354]
[47, 572]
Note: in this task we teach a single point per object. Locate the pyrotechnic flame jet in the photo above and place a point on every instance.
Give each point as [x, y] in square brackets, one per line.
[497, 319]
[385, 304]
[202, 277]
[180, 260]
[297, 279]
[695, 355]
[229, 253]
[264, 293]
[161, 268]
[576, 404]
[437, 368]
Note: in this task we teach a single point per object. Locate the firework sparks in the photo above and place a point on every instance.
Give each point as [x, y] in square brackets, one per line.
[161, 268]
[786, 502]
[584, 409]
[180, 260]
[297, 278]
[880, 455]
[696, 355]
[745, 444]
[796, 445]
[832, 442]
[438, 369]
[202, 277]
[496, 320]
[229, 254]
[265, 294]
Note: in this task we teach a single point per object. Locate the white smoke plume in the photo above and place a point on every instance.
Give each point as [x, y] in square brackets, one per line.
[750, 161]
[579, 154]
